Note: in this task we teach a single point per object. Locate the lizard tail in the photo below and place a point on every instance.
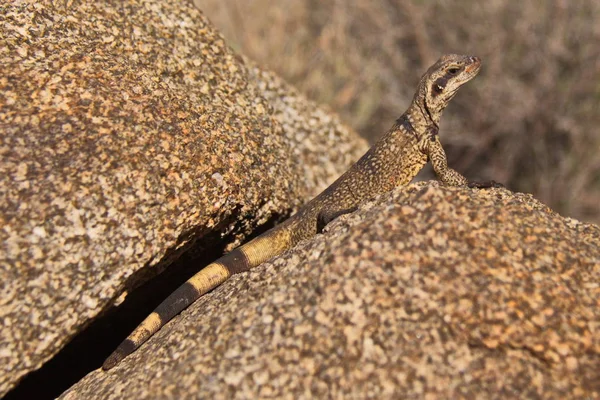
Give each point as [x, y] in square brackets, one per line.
[243, 258]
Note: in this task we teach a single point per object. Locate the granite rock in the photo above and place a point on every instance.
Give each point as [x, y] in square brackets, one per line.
[425, 292]
[128, 131]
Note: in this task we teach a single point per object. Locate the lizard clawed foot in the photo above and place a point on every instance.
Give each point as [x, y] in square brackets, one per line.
[484, 184]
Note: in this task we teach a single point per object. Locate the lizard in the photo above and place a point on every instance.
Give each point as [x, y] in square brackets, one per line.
[395, 159]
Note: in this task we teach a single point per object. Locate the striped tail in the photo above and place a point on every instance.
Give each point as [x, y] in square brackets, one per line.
[243, 258]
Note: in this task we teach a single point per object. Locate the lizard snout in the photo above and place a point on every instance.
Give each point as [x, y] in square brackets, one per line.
[475, 64]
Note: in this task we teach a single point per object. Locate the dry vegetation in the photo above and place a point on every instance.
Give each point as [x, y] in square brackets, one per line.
[529, 120]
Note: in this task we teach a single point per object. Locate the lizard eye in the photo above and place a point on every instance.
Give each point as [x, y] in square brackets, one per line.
[453, 70]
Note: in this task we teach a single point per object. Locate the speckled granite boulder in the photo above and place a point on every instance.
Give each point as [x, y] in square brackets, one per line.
[427, 292]
[128, 129]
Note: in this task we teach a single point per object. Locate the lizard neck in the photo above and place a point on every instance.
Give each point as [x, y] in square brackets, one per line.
[420, 119]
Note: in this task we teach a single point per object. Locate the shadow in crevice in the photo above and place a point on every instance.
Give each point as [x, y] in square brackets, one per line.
[88, 349]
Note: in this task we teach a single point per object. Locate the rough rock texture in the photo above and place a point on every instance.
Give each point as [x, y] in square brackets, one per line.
[427, 292]
[128, 129]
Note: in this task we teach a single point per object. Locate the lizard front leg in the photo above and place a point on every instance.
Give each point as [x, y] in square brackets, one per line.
[432, 147]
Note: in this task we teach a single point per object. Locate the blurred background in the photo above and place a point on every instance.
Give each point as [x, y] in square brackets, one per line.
[529, 120]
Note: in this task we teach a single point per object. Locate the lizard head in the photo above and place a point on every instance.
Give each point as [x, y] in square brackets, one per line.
[443, 79]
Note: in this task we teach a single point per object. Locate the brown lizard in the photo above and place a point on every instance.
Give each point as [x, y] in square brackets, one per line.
[394, 160]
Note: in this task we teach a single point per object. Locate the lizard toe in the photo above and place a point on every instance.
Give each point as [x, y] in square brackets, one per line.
[484, 184]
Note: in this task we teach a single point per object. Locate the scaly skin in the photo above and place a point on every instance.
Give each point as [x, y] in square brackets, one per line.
[394, 160]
